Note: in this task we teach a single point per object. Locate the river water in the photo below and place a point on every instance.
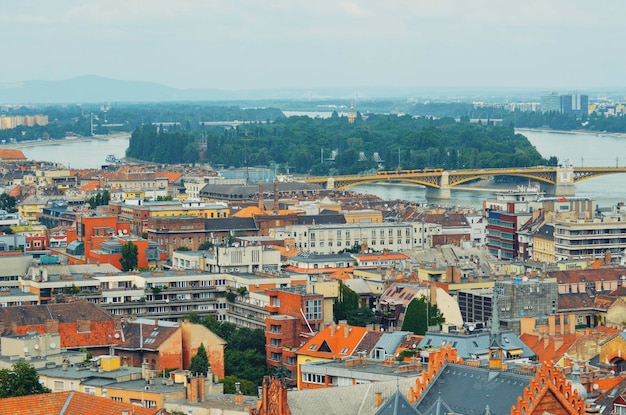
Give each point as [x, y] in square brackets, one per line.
[577, 149]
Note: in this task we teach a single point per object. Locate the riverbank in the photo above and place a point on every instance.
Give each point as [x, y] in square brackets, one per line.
[37, 143]
[549, 130]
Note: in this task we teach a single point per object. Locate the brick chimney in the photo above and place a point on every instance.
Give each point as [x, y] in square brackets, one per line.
[378, 399]
[52, 326]
[275, 196]
[572, 323]
[552, 325]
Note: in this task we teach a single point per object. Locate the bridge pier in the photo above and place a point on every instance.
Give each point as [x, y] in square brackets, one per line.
[443, 192]
[564, 185]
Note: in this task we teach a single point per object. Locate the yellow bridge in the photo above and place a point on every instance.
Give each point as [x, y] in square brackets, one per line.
[557, 181]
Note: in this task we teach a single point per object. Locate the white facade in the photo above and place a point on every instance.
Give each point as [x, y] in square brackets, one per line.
[330, 239]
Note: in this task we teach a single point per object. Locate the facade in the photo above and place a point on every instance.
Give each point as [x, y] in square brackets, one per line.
[330, 239]
[506, 215]
[603, 238]
[572, 103]
[524, 297]
[139, 212]
[294, 314]
[192, 231]
[249, 258]
[543, 244]
[306, 263]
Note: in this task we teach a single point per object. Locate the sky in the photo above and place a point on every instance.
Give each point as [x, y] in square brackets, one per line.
[252, 44]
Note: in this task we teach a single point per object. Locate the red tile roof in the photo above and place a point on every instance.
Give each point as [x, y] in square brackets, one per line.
[7, 154]
[68, 403]
[335, 341]
[590, 275]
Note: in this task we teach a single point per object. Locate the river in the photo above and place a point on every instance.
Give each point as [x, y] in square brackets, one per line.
[584, 149]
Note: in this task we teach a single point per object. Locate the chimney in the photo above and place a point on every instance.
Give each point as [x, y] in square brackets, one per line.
[275, 196]
[52, 326]
[527, 325]
[552, 325]
[346, 330]
[261, 201]
[572, 323]
[378, 399]
[558, 342]
[333, 329]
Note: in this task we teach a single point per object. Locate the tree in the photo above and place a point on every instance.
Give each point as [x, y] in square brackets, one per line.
[7, 203]
[206, 245]
[199, 362]
[22, 379]
[416, 315]
[100, 199]
[130, 254]
[350, 307]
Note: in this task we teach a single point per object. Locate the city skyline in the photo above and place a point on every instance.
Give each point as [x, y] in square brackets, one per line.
[557, 45]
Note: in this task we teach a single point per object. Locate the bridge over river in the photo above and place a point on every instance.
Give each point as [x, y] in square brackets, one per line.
[555, 180]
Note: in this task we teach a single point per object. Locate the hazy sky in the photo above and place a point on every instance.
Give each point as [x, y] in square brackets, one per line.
[237, 44]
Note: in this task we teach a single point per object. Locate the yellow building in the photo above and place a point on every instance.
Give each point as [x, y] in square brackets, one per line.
[190, 208]
[31, 207]
[543, 244]
[364, 215]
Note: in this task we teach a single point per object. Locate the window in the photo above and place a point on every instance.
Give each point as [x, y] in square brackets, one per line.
[313, 309]
[313, 378]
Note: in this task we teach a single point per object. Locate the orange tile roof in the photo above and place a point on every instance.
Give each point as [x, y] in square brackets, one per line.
[371, 257]
[334, 341]
[7, 154]
[92, 185]
[68, 403]
[171, 176]
[286, 252]
[248, 212]
[606, 384]
[548, 352]
[15, 191]
[292, 268]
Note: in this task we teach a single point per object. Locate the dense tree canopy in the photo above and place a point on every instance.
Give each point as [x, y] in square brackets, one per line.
[244, 358]
[416, 316]
[130, 255]
[20, 380]
[199, 361]
[350, 307]
[334, 146]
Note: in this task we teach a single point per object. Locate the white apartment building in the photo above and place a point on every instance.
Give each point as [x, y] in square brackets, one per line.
[330, 239]
[247, 258]
[590, 238]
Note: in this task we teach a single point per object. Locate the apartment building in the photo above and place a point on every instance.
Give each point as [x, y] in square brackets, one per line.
[593, 238]
[333, 238]
[249, 258]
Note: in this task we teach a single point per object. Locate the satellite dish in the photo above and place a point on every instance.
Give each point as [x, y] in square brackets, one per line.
[53, 345]
[25, 349]
[117, 335]
[36, 347]
[471, 328]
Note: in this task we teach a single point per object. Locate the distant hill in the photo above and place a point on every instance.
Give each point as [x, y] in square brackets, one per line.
[92, 88]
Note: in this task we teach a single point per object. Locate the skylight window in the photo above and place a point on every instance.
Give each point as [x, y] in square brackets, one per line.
[313, 347]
